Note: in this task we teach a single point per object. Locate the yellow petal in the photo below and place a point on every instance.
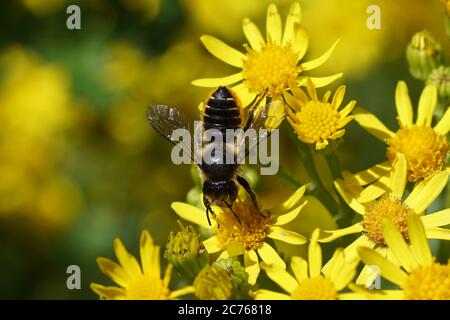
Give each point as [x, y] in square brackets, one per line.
[398, 246]
[335, 234]
[321, 144]
[398, 176]
[299, 267]
[403, 104]
[181, 292]
[430, 191]
[320, 60]
[215, 82]
[299, 94]
[352, 202]
[371, 123]
[244, 94]
[320, 82]
[443, 126]
[368, 275]
[253, 35]
[368, 176]
[419, 242]
[212, 245]
[263, 294]
[270, 256]
[191, 213]
[251, 266]
[280, 277]
[389, 271]
[114, 271]
[128, 261]
[427, 103]
[285, 218]
[294, 18]
[300, 41]
[373, 191]
[149, 255]
[111, 293]
[293, 201]
[361, 241]
[281, 234]
[314, 255]
[223, 51]
[341, 270]
[438, 233]
[235, 248]
[347, 109]
[291, 101]
[437, 219]
[273, 24]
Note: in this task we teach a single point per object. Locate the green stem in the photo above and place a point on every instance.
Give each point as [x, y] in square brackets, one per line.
[289, 177]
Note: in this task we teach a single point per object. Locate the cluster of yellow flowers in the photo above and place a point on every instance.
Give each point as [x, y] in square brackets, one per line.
[386, 206]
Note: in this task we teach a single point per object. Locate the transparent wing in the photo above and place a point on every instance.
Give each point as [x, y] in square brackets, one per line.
[258, 128]
[165, 120]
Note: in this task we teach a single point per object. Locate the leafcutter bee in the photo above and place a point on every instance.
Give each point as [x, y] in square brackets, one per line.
[223, 115]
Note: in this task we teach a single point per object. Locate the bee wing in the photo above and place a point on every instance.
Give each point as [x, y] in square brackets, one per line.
[165, 120]
[263, 124]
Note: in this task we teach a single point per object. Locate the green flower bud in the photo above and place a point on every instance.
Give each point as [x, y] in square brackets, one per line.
[194, 197]
[238, 276]
[185, 251]
[440, 77]
[195, 175]
[423, 54]
[213, 283]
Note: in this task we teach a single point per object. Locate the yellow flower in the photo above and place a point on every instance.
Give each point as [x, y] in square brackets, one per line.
[136, 283]
[268, 65]
[316, 121]
[384, 200]
[416, 273]
[315, 284]
[248, 235]
[425, 147]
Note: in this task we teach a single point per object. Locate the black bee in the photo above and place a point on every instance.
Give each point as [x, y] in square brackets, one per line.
[222, 111]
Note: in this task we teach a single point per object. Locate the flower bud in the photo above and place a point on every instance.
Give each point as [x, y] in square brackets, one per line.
[213, 283]
[423, 54]
[238, 276]
[440, 78]
[185, 251]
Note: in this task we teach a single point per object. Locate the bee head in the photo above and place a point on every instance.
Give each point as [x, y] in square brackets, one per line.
[220, 192]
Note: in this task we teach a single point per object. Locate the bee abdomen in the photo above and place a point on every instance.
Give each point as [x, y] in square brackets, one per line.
[221, 111]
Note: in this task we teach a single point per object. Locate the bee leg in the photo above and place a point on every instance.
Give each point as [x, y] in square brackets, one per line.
[253, 104]
[249, 190]
[234, 213]
[208, 209]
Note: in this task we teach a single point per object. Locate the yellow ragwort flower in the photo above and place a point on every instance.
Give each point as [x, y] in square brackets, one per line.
[316, 121]
[248, 235]
[416, 272]
[315, 284]
[136, 283]
[268, 65]
[425, 147]
[383, 200]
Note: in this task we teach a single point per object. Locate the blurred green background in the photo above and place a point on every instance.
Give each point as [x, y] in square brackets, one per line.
[79, 164]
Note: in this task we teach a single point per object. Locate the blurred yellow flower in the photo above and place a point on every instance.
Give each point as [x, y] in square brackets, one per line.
[148, 9]
[269, 65]
[383, 200]
[315, 284]
[416, 273]
[317, 121]
[248, 235]
[36, 113]
[43, 7]
[425, 147]
[136, 283]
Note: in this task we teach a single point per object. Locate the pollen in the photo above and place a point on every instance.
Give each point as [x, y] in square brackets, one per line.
[386, 208]
[424, 149]
[271, 69]
[250, 230]
[428, 283]
[317, 288]
[147, 288]
[316, 122]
